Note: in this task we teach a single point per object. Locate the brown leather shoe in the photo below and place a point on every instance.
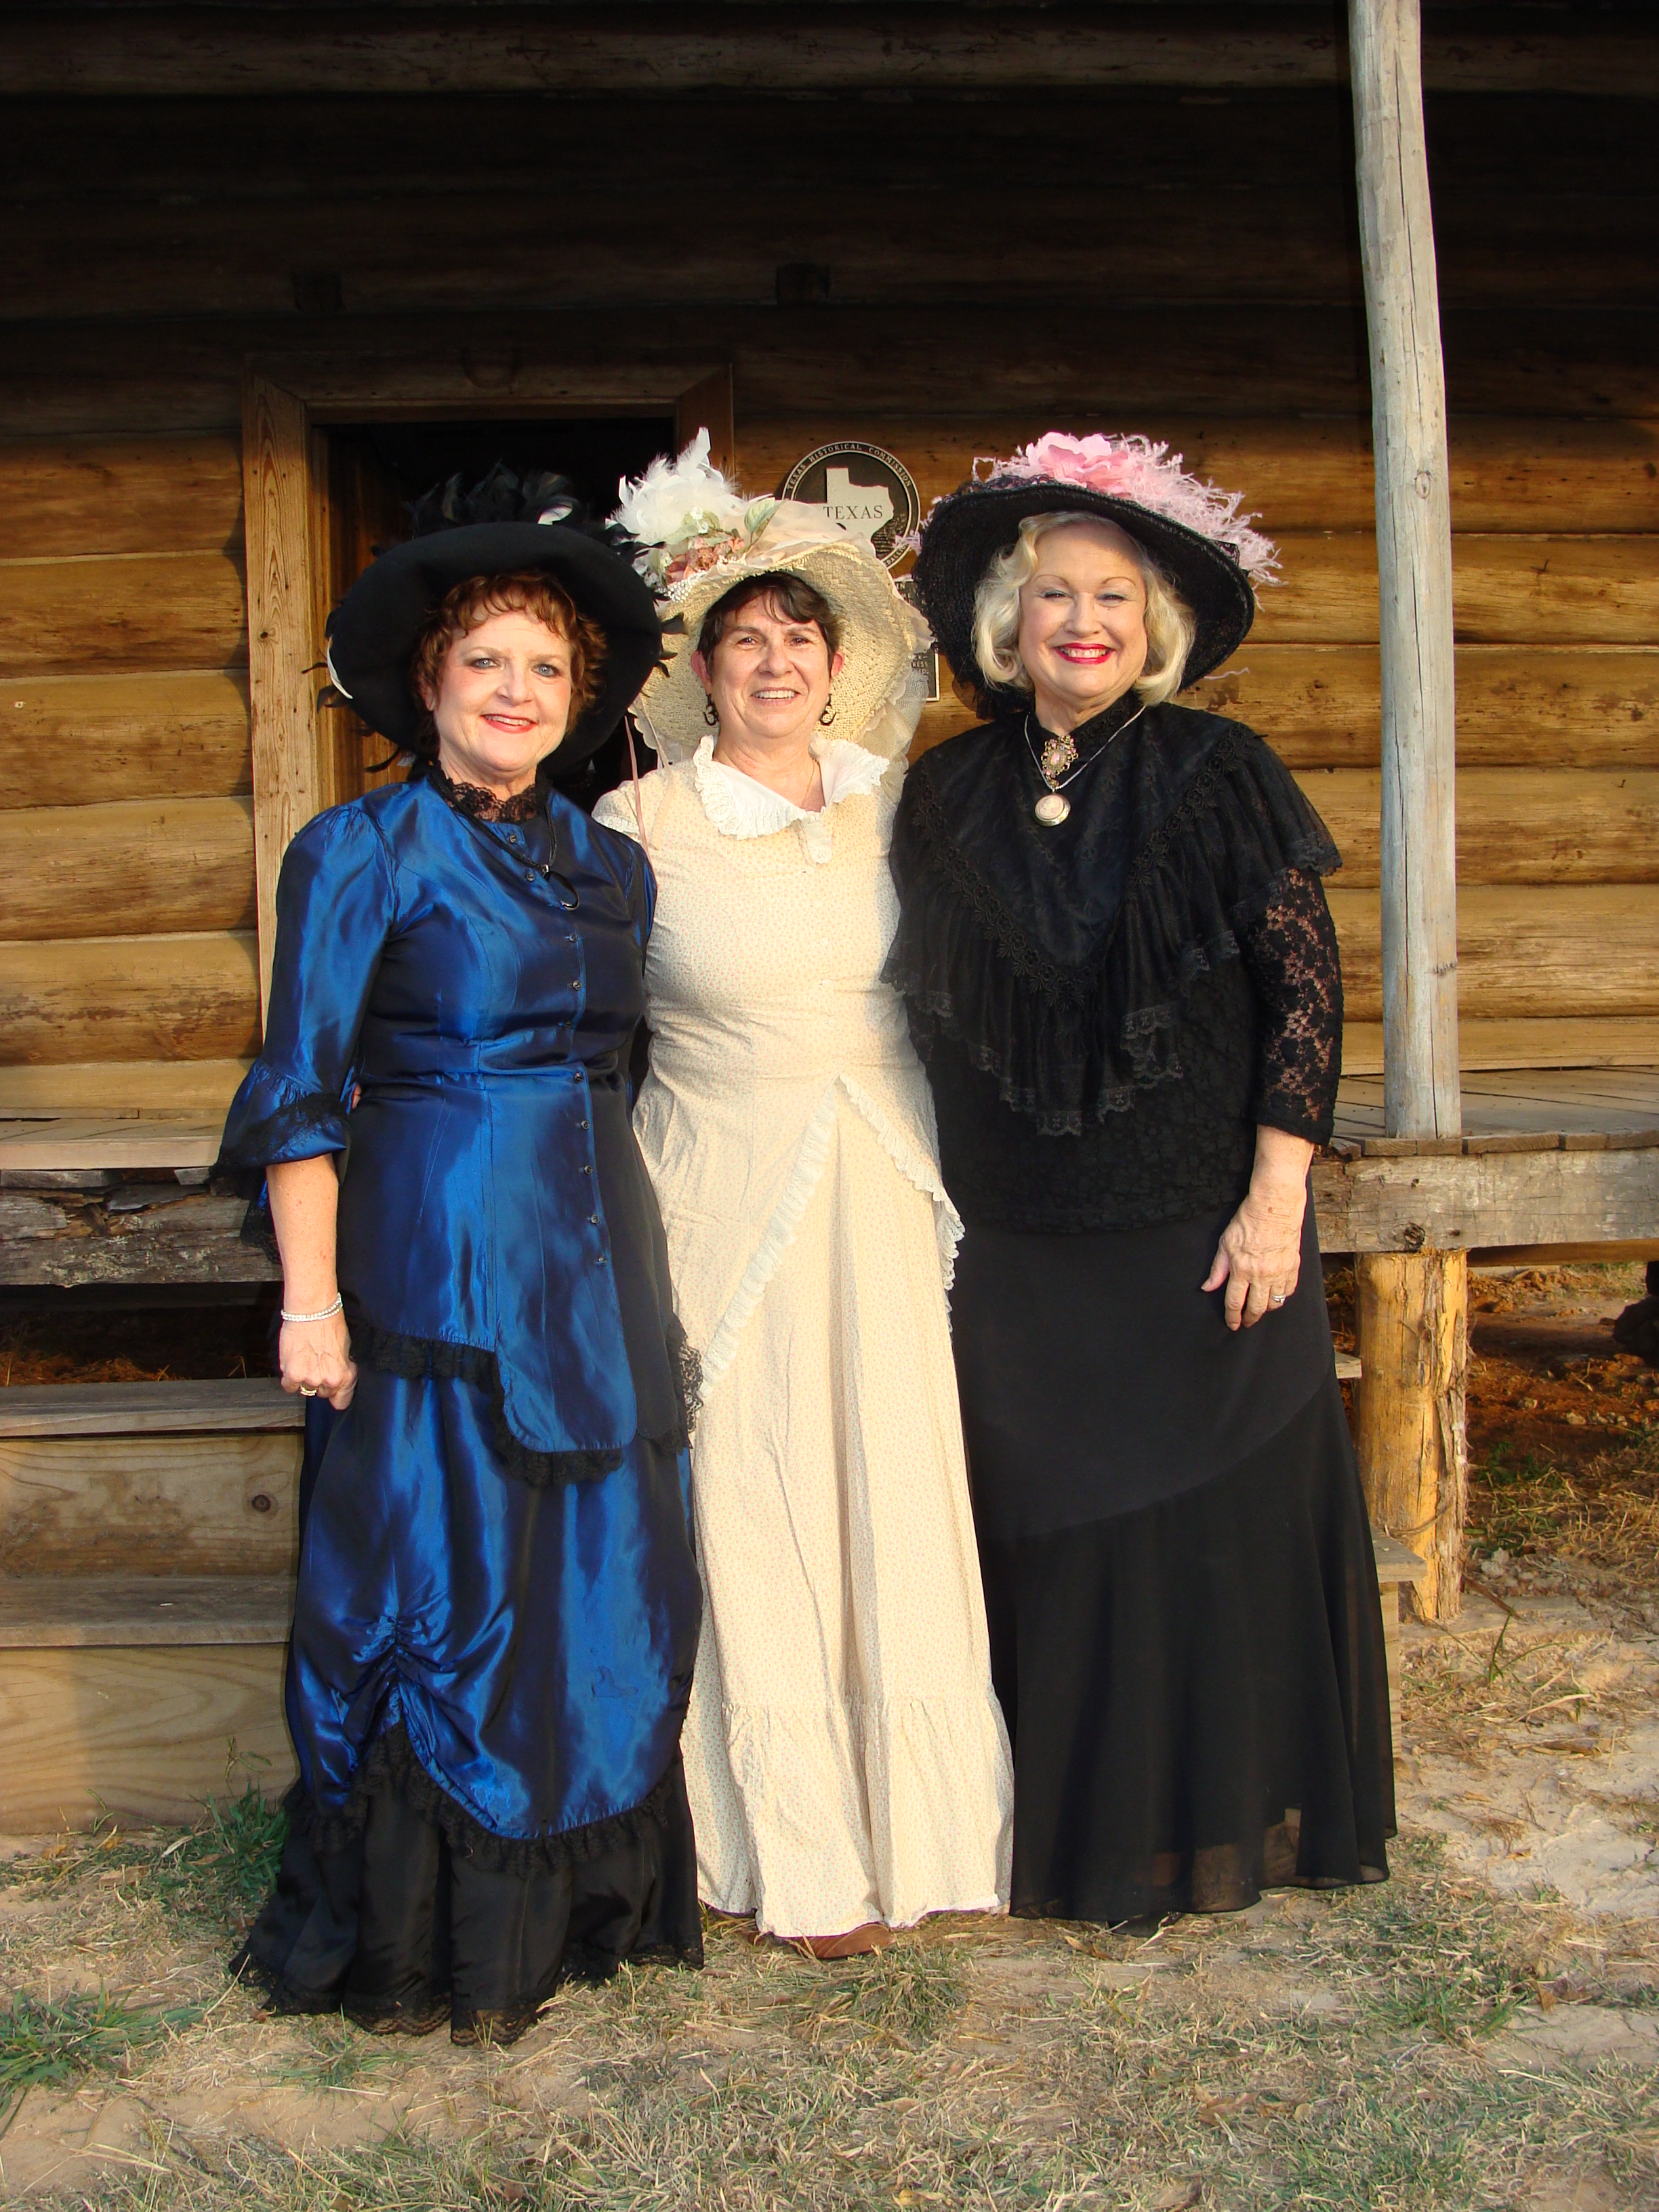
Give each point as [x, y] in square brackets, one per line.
[874, 1935]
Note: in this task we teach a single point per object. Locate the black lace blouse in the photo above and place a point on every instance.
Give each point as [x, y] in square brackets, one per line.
[1109, 1010]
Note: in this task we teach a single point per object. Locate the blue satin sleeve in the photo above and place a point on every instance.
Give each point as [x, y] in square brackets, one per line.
[335, 905]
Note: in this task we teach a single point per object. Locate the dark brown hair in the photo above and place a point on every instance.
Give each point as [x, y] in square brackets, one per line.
[790, 597]
[464, 606]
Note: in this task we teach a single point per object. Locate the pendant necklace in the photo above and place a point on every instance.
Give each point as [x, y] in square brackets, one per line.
[1057, 764]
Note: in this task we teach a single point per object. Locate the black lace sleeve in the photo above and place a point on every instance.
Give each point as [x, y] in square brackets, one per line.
[1289, 950]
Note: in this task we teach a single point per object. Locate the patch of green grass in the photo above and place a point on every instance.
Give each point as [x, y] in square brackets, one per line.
[1499, 1470]
[1432, 1952]
[222, 1869]
[59, 2039]
[334, 2056]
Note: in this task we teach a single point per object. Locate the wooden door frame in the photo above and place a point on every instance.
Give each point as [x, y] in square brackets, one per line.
[287, 406]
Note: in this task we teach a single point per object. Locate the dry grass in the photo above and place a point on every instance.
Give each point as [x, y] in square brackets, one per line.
[1348, 2051]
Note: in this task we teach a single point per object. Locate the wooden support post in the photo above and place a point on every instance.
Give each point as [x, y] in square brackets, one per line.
[1413, 1335]
[1414, 1306]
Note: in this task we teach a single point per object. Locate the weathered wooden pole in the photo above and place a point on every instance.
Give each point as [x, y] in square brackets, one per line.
[1414, 1306]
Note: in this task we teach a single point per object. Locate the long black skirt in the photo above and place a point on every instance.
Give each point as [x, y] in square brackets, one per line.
[405, 1918]
[1186, 1632]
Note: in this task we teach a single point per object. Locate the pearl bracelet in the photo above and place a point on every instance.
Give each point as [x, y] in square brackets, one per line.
[327, 1313]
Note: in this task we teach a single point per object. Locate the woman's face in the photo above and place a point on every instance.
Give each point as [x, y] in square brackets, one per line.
[503, 702]
[769, 676]
[1082, 623]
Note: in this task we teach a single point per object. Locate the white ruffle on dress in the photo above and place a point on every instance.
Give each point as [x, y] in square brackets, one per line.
[845, 1755]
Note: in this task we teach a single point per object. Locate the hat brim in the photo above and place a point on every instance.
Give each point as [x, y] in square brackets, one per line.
[965, 532]
[372, 634]
[880, 637]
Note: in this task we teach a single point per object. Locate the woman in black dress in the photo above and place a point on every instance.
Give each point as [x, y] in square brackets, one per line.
[1119, 964]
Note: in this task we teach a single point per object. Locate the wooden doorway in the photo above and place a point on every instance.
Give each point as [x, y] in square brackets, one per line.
[319, 491]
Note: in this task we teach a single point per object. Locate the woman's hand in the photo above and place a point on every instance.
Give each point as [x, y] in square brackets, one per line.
[1259, 1255]
[314, 1356]
[315, 1359]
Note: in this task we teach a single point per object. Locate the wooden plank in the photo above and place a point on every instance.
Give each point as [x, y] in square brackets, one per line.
[1487, 1200]
[1554, 1041]
[239, 50]
[133, 1140]
[175, 1086]
[160, 865]
[147, 1409]
[182, 373]
[599, 242]
[162, 1506]
[70, 740]
[1320, 706]
[98, 1612]
[1514, 825]
[608, 241]
[64, 497]
[291, 759]
[1531, 474]
[1539, 1100]
[48, 1238]
[122, 610]
[1522, 951]
[144, 1734]
[1507, 586]
[1395, 1562]
[129, 998]
[1548, 706]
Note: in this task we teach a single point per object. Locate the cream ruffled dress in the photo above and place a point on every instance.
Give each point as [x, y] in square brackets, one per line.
[845, 1755]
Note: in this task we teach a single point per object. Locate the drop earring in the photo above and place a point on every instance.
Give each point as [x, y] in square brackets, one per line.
[828, 714]
[710, 713]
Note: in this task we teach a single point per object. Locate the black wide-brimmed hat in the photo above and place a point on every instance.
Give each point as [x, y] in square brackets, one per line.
[1194, 533]
[506, 526]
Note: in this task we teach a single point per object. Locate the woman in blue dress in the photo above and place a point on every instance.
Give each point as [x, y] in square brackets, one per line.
[498, 1605]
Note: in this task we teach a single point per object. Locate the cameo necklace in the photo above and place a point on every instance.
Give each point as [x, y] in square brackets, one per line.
[1057, 764]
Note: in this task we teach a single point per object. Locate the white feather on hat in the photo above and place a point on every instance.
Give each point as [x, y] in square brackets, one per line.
[699, 536]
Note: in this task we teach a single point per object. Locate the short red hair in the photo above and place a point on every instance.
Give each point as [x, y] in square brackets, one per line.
[464, 606]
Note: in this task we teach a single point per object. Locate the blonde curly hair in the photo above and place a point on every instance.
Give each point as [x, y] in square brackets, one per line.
[1171, 627]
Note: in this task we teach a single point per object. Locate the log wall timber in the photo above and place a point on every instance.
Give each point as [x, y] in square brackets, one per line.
[65, 739]
[184, 375]
[67, 1088]
[129, 998]
[69, 496]
[355, 51]
[162, 866]
[592, 245]
[123, 774]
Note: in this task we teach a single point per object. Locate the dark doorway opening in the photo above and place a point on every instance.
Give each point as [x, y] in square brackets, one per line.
[376, 470]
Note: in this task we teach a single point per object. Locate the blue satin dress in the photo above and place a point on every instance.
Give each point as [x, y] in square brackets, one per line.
[498, 1603]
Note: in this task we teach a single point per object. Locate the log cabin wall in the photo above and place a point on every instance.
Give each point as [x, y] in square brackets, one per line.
[940, 271]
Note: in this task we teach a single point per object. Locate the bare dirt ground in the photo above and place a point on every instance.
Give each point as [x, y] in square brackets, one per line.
[1483, 2031]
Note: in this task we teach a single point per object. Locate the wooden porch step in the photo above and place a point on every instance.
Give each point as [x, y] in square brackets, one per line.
[133, 1479]
[101, 1409]
[136, 1697]
[50, 1611]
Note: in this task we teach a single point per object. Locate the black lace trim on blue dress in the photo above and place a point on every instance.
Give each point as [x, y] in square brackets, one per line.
[420, 1359]
[390, 1760]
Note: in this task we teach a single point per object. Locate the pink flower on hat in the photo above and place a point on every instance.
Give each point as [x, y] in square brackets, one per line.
[1151, 476]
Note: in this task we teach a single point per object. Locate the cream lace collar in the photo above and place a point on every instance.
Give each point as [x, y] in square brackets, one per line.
[740, 807]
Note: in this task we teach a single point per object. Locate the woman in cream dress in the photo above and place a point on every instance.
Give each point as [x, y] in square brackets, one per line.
[846, 1758]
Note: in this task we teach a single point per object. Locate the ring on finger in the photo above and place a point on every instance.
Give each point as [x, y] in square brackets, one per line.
[307, 1390]
[1276, 1299]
